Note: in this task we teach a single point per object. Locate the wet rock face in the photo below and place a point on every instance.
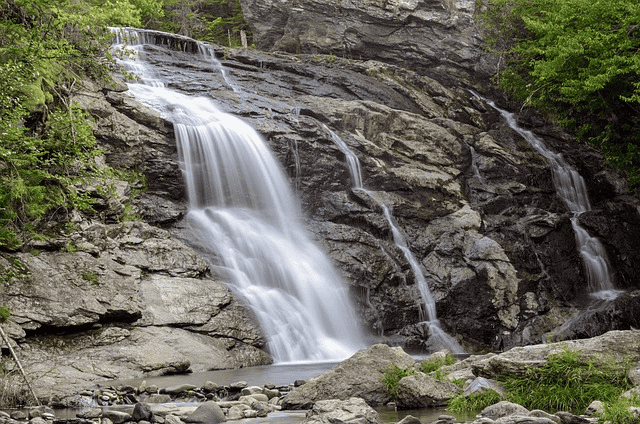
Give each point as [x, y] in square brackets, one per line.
[473, 199]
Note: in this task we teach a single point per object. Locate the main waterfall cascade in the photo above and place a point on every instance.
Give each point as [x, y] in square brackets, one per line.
[571, 188]
[438, 337]
[242, 208]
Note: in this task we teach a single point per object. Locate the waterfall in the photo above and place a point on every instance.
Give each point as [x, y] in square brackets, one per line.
[242, 208]
[474, 164]
[428, 306]
[572, 189]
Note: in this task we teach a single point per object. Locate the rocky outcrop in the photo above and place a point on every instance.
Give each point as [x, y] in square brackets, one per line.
[436, 36]
[359, 376]
[418, 390]
[110, 298]
[473, 200]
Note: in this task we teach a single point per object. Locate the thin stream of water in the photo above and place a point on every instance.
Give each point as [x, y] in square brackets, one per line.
[438, 337]
[572, 189]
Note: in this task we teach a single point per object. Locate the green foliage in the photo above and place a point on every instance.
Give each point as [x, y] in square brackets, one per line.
[46, 144]
[90, 277]
[216, 21]
[434, 363]
[579, 61]
[14, 271]
[567, 382]
[474, 402]
[618, 412]
[392, 376]
[5, 313]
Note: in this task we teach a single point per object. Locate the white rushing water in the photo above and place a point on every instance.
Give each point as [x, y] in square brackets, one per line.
[571, 188]
[438, 337]
[242, 208]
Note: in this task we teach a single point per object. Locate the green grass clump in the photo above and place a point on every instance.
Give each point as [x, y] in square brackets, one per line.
[568, 382]
[434, 363]
[90, 277]
[474, 402]
[5, 313]
[392, 376]
[618, 411]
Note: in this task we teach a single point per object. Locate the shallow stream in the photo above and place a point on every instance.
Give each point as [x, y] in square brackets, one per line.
[281, 375]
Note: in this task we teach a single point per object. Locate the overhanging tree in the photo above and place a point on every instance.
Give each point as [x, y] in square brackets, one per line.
[46, 144]
[579, 61]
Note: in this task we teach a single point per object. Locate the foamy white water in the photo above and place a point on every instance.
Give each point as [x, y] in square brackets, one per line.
[242, 208]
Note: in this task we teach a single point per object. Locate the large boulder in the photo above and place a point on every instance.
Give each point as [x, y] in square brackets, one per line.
[422, 391]
[351, 411]
[206, 413]
[359, 376]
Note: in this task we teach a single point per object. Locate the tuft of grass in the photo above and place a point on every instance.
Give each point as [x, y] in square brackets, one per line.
[568, 382]
[434, 363]
[90, 277]
[392, 376]
[5, 313]
[474, 402]
[618, 411]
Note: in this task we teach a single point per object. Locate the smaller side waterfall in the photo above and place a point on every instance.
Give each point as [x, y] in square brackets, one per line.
[571, 188]
[428, 306]
[474, 164]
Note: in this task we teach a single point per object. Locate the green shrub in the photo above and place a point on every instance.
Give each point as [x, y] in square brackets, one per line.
[90, 277]
[5, 313]
[576, 60]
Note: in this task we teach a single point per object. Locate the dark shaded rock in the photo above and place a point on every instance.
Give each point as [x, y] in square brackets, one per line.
[569, 418]
[141, 412]
[419, 35]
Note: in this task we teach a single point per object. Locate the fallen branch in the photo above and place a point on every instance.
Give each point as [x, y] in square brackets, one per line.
[15, 358]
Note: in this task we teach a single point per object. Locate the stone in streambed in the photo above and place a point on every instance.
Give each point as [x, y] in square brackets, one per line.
[207, 413]
[351, 411]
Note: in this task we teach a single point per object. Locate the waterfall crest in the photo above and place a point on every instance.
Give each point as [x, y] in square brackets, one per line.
[241, 208]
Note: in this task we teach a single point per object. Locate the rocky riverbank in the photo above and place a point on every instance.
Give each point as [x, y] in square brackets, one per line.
[347, 392]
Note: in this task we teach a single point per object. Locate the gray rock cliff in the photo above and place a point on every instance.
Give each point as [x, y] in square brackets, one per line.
[474, 201]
